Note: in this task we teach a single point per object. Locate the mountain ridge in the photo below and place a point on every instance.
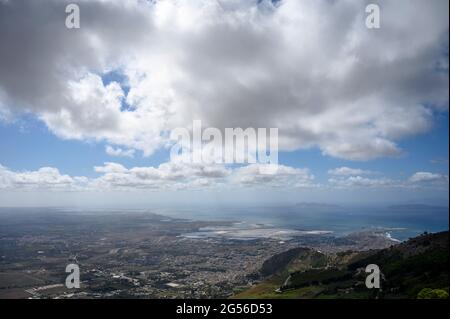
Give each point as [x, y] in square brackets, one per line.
[407, 269]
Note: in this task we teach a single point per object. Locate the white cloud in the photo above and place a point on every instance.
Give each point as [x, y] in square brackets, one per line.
[347, 171]
[45, 178]
[177, 174]
[285, 177]
[427, 177]
[310, 68]
[166, 175]
[119, 152]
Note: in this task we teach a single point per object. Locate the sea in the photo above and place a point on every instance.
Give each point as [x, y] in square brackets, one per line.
[400, 222]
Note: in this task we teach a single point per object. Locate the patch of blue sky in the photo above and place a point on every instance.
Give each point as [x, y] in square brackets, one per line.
[118, 77]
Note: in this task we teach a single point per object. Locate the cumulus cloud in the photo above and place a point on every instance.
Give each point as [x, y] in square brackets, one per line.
[46, 178]
[310, 68]
[166, 175]
[55, 73]
[427, 177]
[347, 171]
[176, 175]
[170, 175]
[119, 152]
[285, 176]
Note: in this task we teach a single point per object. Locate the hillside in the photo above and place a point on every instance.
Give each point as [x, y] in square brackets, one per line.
[407, 269]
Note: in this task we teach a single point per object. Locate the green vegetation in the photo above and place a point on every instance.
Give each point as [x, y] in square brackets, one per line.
[428, 293]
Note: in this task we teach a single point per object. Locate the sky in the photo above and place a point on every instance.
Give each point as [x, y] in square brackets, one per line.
[86, 114]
